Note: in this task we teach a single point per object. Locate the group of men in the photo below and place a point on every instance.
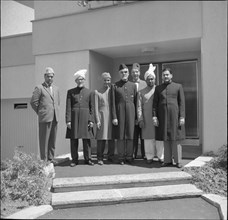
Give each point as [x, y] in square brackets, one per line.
[123, 111]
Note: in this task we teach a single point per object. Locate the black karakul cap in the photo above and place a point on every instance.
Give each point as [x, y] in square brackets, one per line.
[122, 66]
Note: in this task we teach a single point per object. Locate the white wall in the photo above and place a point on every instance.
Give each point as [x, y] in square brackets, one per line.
[98, 65]
[214, 75]
[17, 50]
[147, 21]
[64, 65]
[17, 81]
[18, 128]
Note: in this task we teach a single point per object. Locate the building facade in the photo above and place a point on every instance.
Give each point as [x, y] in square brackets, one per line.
[188, 36]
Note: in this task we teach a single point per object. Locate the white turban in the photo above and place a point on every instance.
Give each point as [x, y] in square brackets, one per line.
[150, 71]
[80, 73]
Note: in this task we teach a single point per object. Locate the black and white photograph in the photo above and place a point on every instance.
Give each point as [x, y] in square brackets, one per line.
[113, 109]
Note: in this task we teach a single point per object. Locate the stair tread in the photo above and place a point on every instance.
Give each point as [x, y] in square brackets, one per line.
[116, 179]
[124, 194]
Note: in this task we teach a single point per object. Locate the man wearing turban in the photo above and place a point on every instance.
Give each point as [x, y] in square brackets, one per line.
[169, 117]
[79, 118]
[145, 107]
[124, 114]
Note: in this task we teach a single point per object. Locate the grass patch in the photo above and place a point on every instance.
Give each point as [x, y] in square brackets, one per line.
[212, 177]
[23, 183]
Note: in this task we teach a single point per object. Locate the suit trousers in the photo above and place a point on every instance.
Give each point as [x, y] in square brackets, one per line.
[86, 149]
[172, 150]
[101, 148]
[137, 135]
[47, 138]
[125, 149]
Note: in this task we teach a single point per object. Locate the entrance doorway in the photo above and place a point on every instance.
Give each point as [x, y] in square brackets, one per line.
[185, 73]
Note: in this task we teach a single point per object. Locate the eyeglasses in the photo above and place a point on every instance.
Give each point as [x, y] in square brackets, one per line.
[124, 71]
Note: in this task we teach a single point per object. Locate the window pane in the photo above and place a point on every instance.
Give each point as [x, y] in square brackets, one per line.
[185, 73]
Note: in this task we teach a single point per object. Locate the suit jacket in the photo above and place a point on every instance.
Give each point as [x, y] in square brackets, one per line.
[45, 104]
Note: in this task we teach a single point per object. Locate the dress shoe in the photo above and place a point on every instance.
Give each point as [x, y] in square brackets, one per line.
[100, 162]
[178, 165]
[149, 161]
[73, 164]
[130, 161]
[89, 162]
[54, 162]
[166, 164]
[110, 160]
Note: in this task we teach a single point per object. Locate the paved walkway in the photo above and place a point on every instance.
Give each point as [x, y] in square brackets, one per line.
[191, 208]
[185, 208]
[139, 166]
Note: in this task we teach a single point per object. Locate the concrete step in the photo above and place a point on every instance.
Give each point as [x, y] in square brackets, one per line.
[119, 181]
[124, 195]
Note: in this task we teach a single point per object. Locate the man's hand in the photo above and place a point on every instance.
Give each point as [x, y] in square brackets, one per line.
[181, 121]
[141, 124]
[98, 125]
[115, 122]
[69, 125]
[155, 121]
[90, 125]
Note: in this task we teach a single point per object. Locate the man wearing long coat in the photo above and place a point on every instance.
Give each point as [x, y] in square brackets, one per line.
[125, 96]
[79, 118]
[169, 117]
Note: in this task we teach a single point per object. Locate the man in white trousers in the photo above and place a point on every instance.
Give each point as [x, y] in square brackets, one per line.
[145, 118]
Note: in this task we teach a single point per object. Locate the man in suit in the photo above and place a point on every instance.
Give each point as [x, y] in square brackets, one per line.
[45, 102]
[169, 117]
[140, 84]
[79, 118]
[124, 115]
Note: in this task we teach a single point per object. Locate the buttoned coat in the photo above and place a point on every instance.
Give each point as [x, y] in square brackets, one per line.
[45, 104]
[79, 111]
[103, 113]
[168, 107]
[125, 96]
[144, 111]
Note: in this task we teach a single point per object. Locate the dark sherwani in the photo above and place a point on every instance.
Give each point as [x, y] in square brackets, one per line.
[168, 107]
[79, 112]
[124, 109]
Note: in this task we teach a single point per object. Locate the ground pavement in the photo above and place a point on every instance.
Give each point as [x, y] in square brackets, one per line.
[139, 199]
